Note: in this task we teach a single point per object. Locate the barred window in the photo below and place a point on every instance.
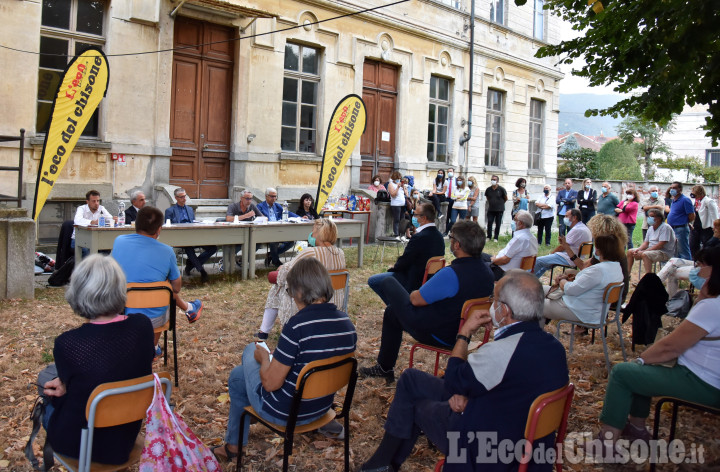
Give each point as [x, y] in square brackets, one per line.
[537, 118]
[300, 99]
[438, 119]
[494, 124]
[712, 157]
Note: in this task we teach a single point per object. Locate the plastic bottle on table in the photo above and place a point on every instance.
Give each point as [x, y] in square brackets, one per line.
[285, 211]
[121, 214]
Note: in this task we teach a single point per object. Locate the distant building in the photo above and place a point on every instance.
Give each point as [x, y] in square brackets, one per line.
[688, 138]
[585, 142]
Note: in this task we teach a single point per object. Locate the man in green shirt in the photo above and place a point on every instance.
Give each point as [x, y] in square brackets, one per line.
[608, 201]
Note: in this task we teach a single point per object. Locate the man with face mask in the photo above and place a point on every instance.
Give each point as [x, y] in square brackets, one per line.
[431, 314]
[577, 234]
[565, 200]
[659, 244]
[489, 390]
[450, 188]
[409, 269]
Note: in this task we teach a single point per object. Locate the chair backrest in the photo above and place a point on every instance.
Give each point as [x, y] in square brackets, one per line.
[473, 305]
[585, 250]
[434, 264]
[149, 294]
[527, 263]
[125, 401]
[548, 413]
[326, 376]
[611, 296]
[340, 280]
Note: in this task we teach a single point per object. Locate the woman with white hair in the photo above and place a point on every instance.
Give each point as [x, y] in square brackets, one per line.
[108, 347]
[322, 247]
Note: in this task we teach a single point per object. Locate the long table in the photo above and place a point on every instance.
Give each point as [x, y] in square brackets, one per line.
[223, 234]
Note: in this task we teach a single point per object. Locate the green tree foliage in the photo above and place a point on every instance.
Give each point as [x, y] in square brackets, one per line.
[579, 163]
[693, 166]
[666, 53]
[650, 135]
[617, 160]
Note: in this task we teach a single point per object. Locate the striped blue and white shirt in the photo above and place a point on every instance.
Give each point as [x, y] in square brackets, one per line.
[316, 332]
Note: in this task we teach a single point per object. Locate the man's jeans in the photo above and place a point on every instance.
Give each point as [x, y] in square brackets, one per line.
[545, 263]
[561, 225]
[375, 283]
[279, 248]
[682, 234]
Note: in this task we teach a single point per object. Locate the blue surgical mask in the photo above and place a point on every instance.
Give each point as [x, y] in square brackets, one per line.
[654, 194]
[604, 190]
[566, 221]
[695, 279]
[415, 222]
[587, 187]
[470, 184]
[673, 192]
[512, 225]
[311, 240]
[650, 220]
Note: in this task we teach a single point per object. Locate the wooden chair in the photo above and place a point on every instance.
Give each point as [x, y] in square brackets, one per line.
[113, 404]
[154, 295]
[584, 252]
[528, 263]
[469, 307]
[434, 264]
[341, 281]
[612, 296]
[548, 413]
[316, 379]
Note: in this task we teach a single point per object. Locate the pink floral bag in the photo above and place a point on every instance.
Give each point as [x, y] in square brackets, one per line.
[169, 444]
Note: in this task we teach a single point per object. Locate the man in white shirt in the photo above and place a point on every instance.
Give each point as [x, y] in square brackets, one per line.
[522, 244]
[578, 234]
[659, 244]
[451, 184]
[89, 214]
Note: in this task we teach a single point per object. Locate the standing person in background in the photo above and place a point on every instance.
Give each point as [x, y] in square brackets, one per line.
[473, 199]
[397, 200]
[586, 201]
[451, 184]
[546, 208]
[520, 196]
[565, 201]
[137, 200]
[496, 197]
[654, 201]
[437, 195]
[682, 213]
[627, 211]
[608, 201]
[376, 184]
[460, 195]
[706, 211]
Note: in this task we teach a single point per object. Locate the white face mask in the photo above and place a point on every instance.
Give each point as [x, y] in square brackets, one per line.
[496, 323]
[450, 174]
[629, 197]
[494, 182]
[376, 183]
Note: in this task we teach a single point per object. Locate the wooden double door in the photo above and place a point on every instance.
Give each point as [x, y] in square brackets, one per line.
[377, 145]
[201, 108]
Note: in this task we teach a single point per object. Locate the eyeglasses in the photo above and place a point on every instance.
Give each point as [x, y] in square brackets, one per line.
[178, 197]
[452, 238]
[272, 196]
[249, 199]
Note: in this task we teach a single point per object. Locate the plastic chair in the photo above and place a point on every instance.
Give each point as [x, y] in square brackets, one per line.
[316, 379]
[340, 280]
[113, 404]
[612, 295]
[469, 307]
[154, 295]
[585, 251]
[433, 265]
[528, 263]
[383, 240]
[548, 413]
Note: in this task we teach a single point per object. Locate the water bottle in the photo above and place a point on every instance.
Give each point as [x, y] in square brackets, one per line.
[121, 214]
[285, 211]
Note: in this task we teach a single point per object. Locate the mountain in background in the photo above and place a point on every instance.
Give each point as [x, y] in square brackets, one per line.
[572, 114]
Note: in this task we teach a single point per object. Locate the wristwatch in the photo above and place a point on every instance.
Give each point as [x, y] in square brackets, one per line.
[639, 361]
[574, 256]
[463, 337]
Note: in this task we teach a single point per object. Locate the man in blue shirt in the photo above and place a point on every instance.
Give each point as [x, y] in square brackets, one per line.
[274, 212]
[682, 212]
[565, 201]
[182, 213]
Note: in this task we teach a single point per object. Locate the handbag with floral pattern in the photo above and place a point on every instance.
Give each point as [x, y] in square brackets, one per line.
[170, 445]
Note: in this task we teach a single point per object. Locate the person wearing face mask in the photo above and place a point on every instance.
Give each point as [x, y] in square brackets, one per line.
[565, 201]
[654, 200]
[566, 252]
[473, 199]
[659, 244]
[451, 186]
[546, 207]
[437, 195]
[586, 200]
[608, 201]
[376, 184]
[682, 213]
[407, 229]
[694, 378]
[496, 196]
[706, 211]
[397, 200]
[409, 269]
[460, 197]
[490, 389]
[627, 211]
[431, 314]
[321, 243]
[520, 196]
[521, 245]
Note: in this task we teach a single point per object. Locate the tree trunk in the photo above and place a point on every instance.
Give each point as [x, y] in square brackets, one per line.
[649, 171]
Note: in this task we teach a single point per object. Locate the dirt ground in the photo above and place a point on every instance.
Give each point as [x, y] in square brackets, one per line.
[210, 348]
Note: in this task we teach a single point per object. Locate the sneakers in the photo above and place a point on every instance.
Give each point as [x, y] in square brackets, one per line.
[333, 430]
[377, 371]
[158, 351]
[632, 433]
[194, 310]
[262, 336]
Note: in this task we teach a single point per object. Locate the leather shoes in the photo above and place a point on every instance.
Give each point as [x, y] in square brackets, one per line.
[204, 277]
[188, 269]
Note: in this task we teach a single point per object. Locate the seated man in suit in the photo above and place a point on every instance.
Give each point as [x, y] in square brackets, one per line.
[522, 244]
[182, 213]
[274, 212]
[137, 200]
[487, 392]
[410, 267]
[432, 314]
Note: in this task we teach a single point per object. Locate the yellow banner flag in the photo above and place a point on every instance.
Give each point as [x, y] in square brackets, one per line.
[346, 126]
[82, 88]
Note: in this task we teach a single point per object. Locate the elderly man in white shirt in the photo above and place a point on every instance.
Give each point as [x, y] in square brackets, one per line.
[89, 214]
[522, 244]
[578, 234]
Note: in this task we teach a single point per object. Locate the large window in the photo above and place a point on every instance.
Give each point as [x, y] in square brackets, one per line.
[712, 157]
[300, 99]
[539, 20]
[497, 11]
[438, 119]
[494, 128]
[537, 117]
[68, 28]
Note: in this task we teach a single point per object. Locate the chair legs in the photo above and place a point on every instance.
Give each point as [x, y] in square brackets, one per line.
[603, 336]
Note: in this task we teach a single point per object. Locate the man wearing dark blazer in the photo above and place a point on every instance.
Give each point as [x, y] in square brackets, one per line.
[409, 269]
[274, 212]
[181, 213]
[137, 201]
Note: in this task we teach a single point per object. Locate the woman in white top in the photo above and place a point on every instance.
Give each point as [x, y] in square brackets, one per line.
[460, 194]
[583, 297]
[397, 200]
[546, 207]
[473, 199]
[706, 211]
[695, 343]
[437, 195]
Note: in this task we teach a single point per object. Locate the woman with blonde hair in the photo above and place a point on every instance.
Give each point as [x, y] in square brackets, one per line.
[473, 199]
[322, 247]
[397, 200]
